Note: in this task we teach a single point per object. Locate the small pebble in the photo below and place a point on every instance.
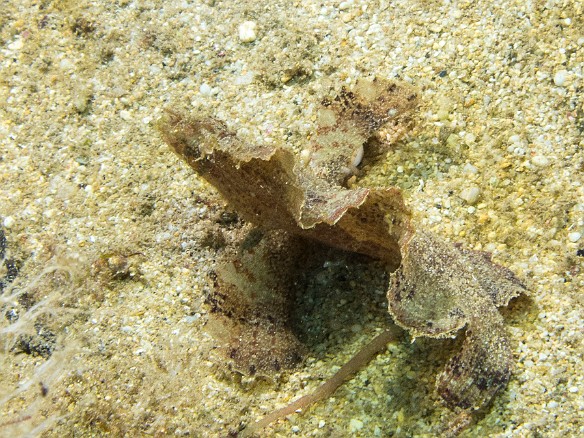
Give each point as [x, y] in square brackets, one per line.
[560, 78]
[205, 89]
[247, 31]
[355, 425]
[470, 195]
[469, 168]
[8, 221]
[574, 237]
[442, 114]
[80, 103]
[66, 64]
[125, 115]
[295, 429]
[345, 5]
[515, 139]
[540, 161]
[16, 45]
[470, 138]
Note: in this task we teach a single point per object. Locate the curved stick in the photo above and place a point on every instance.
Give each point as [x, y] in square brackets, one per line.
[357, 362]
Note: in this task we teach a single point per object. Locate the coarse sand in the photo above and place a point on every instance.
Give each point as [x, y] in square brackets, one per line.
[107, 240]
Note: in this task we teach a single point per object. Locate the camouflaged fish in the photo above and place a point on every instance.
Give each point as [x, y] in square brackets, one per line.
[436, 288]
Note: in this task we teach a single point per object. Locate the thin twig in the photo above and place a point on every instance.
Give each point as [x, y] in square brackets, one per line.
[361, 359]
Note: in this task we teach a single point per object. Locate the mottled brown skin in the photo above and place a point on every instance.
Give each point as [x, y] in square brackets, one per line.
[435, 289]
[441, 288]
[267, 188]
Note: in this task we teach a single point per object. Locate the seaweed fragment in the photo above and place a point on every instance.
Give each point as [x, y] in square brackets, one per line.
[435, 288]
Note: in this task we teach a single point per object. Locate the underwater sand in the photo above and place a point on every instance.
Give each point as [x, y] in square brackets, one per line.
[110, 238]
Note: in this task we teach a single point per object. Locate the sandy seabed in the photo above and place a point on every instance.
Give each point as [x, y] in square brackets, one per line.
[109, 239]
